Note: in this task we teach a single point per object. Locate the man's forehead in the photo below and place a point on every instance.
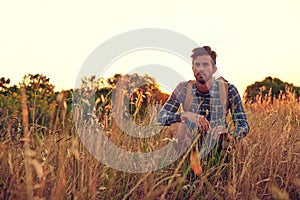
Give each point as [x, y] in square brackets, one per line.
[202, 59]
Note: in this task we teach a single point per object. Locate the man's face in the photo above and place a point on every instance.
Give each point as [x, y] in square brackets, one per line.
[203, 68]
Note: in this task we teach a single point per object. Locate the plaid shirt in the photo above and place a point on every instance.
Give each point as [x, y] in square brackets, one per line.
[208, 105]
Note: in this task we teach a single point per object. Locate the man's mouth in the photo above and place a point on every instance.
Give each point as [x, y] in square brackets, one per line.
[201, 75]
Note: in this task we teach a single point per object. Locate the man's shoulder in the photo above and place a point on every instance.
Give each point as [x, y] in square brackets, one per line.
[232, 90]
[182, 89]
[183, 84]
[231, 87]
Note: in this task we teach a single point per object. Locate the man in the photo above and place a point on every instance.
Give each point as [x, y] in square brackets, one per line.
[206, 109]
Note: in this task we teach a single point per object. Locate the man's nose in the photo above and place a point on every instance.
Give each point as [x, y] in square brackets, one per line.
[199, 68]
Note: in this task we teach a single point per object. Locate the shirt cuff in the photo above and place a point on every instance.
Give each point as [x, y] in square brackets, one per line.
[177, 117]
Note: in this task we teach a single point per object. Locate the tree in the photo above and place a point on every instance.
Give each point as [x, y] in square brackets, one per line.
[273, 87]
[38, 83]
[40, 94]
[139, 93]
[4, 83]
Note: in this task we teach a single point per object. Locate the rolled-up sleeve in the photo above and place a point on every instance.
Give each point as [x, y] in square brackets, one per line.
[169, 112]
[238, 112]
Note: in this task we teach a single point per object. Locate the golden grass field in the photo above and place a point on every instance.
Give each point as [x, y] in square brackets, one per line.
[57, 166]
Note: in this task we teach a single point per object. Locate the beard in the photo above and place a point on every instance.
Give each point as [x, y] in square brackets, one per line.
[201, 78]
[202, 81]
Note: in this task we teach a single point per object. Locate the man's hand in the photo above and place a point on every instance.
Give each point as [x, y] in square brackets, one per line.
[199, 120]
[222, 132]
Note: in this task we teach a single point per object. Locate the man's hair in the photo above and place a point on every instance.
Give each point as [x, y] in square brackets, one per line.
[205, 50]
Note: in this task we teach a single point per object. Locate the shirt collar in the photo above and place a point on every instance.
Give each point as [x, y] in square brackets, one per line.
[213, 88]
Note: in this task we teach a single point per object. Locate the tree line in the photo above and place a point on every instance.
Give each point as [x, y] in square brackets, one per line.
[270, 87]
[48, 109]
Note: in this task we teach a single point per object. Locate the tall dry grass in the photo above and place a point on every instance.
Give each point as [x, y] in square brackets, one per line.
[59, 167]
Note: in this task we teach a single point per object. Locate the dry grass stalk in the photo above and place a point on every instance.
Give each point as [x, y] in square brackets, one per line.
[27, 154]
[52, 116]
[25, 116]
[268, 168]
[195, 141]
[134, 187]
[59, 191]
[61, 99]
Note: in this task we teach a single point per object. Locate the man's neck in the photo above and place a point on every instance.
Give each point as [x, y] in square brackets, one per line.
[204, 87]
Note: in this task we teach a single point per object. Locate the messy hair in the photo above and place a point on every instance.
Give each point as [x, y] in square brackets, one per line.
[205, 50]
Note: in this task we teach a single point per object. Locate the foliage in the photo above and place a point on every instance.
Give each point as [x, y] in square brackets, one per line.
[138, 94]
[40, 96]
[4, 83]
[273, 87]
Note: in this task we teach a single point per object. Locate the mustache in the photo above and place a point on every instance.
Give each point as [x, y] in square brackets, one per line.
[200, 74]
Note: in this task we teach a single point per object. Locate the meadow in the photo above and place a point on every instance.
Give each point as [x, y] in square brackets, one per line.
[49, 161]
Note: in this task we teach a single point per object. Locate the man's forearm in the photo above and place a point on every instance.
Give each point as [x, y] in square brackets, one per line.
[166, 118]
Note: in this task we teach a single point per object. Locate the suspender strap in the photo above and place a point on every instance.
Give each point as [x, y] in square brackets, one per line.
[189, 97]
[223, 89]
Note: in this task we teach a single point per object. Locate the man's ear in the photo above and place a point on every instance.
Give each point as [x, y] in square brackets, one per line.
[215, 69]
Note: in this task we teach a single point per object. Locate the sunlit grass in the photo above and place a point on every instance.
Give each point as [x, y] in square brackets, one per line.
[57, 165]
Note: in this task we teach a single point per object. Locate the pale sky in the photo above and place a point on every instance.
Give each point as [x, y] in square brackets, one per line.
[253, 39]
